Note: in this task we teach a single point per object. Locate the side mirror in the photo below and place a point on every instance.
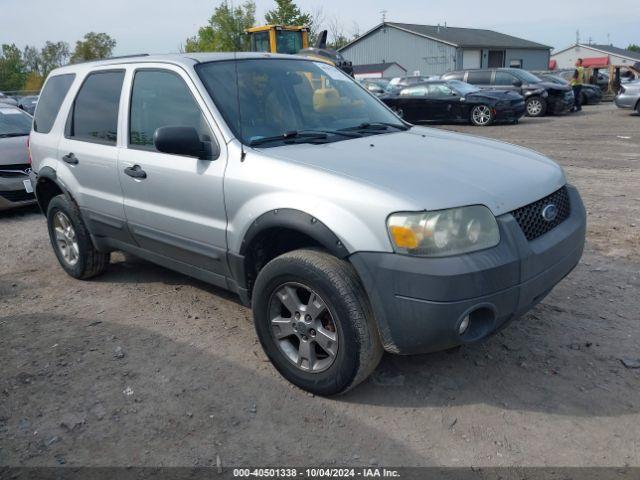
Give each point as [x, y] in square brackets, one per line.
[184, 141]
[517, 83]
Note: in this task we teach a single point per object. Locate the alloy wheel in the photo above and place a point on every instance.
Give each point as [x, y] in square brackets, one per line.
[481, 115]
[303, 327]
[66, 239]
[534, 107]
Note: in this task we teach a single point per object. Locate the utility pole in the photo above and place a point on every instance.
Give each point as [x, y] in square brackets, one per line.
[384, 15]
[578, 37]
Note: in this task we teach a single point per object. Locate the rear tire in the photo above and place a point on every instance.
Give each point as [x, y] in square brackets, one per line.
[290, 290]
[481, 115]
[71, 241]
[536, 106]
[584, 99]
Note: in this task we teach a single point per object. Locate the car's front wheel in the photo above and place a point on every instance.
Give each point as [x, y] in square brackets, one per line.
[536, 106]
[314, 321]
[71, 241]
[481, 115]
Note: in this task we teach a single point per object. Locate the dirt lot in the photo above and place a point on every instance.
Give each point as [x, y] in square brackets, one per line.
[144, 366]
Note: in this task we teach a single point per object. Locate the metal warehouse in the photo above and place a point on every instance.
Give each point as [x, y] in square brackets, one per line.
[434, 50]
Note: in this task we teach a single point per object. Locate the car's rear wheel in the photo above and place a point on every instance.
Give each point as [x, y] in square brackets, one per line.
[536, 106]
[314, 321]
[584, 99]
[71, 241]
[481, 115]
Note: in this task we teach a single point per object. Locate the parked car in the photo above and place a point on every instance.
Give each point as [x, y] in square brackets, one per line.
[28, 103]
[15, 187]
[398, 83]
[590, 95]
[540, 97]
[7, 100]
[629, 96]
[347, 230]
[455, 101]
[376, 86]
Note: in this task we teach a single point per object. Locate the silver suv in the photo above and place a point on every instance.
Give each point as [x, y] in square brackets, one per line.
[347, 230]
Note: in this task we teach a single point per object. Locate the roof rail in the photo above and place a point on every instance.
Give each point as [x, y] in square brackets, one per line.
[114, 58]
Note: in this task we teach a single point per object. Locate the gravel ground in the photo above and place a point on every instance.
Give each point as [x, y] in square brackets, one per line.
[144, 366]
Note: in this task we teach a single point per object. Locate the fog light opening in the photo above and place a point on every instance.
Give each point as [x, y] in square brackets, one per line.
[464, 325]
[478, 323]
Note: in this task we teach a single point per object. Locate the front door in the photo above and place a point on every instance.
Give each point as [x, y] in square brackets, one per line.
[174, 204]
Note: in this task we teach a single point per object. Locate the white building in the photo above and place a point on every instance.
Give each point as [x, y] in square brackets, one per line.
[594, 56]
[379, 70]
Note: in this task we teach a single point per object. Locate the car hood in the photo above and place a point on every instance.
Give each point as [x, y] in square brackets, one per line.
[13, 150]
[434, 169]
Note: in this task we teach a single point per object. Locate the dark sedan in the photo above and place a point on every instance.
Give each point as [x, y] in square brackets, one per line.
[540, 97]
[28, 103]
[455, 101]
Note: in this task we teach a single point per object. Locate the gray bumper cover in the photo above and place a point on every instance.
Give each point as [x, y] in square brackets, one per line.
[419, 302]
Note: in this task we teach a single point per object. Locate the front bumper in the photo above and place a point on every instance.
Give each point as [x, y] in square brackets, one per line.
[13, 192]
[419, 303]
[626, 101]
[559, 104]
[510, 113]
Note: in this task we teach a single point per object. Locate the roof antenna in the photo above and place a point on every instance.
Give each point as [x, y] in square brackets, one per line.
[243, 153]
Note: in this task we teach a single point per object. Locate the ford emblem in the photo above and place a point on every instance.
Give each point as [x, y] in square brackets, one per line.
[550, 212]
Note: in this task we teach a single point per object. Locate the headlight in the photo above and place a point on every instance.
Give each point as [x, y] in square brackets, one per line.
[444, 232]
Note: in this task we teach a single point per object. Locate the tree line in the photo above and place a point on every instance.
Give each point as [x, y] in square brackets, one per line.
[26, 69]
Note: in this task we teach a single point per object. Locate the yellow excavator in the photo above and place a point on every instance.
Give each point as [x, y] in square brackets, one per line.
[294, 40]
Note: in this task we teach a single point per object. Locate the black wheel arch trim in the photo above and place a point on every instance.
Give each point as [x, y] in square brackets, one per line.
[295, 220]
[50, 174]
[287, 218]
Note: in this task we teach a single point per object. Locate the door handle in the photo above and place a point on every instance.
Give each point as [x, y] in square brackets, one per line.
[135, 172]
[70, 158]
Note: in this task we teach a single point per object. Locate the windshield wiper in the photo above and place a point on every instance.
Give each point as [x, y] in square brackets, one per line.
[293, 136]
[289, 137]
[376, 126]
[8, 135]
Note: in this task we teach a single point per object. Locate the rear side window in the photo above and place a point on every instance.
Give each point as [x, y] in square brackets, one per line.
[160, 98]
[50, 100]
[94, 116]
[479, 77]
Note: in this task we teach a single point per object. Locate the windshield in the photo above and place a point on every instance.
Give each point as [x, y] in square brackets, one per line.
[280, 96]
[463, 87]
[14, 122]
[525, 76]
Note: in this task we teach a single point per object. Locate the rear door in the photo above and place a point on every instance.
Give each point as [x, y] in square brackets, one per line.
[177, 211]
[88, 152]
[480, 78]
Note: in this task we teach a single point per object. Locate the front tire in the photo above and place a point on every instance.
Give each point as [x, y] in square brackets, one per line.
[481, 115]
[71, 241]
[314, 322]
[536, 106]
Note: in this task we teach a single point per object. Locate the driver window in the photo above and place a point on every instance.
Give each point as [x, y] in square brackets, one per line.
[160, 99]
[504, 78]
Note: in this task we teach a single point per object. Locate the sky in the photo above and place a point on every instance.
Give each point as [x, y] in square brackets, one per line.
[161, 26]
